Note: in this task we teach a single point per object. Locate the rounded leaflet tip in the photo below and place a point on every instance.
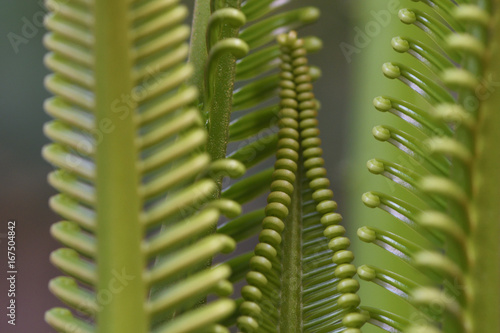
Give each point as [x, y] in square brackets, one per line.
[407, 16]
[381, 133]
[366, 273]
[309, 14]
[354, 320]
[334, 230]
[270, 236]
[313, 44]
[339, 243]
[349, 300]
[260, 264]
[343, 257]
[348, 286]
[315, 74]
[251, 293]
[224, 288]
[63, 281]
[371, 200]
[382, 104]
[367, 235]
[256, 279]
[247, 324]
[344, 271]
[391, 71]
[229, 245]
[250, 308]
[400, 45]
[375, 166]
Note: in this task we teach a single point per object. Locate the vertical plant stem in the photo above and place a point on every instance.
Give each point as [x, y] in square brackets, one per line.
[291, 280]
[220, 104]
[485, 236]
[198, 47]
[121, 291]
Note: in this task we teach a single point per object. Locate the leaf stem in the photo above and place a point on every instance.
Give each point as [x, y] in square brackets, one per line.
[197, 46]
[219, 105]
[291, 278]
[121, 290]
[485, 233]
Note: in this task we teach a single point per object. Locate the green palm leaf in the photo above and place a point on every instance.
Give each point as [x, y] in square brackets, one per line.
[252, 127]
[301, 277]
[454, 221]
[125, 135]
[244, 116]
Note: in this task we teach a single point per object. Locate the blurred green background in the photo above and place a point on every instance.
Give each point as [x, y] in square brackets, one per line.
[356, 36]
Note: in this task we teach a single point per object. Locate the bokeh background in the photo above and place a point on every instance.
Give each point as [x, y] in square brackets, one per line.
[351, 77]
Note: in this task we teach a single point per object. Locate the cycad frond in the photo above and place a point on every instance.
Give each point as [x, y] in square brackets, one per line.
[252, 124]
[301, 277]
[452, 206]
[254, 75]
[126, 135]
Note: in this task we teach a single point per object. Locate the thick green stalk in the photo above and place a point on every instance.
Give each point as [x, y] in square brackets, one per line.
[198, 46]
[219, 105]
[485, 235]
[121, 291]
[291, 280]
